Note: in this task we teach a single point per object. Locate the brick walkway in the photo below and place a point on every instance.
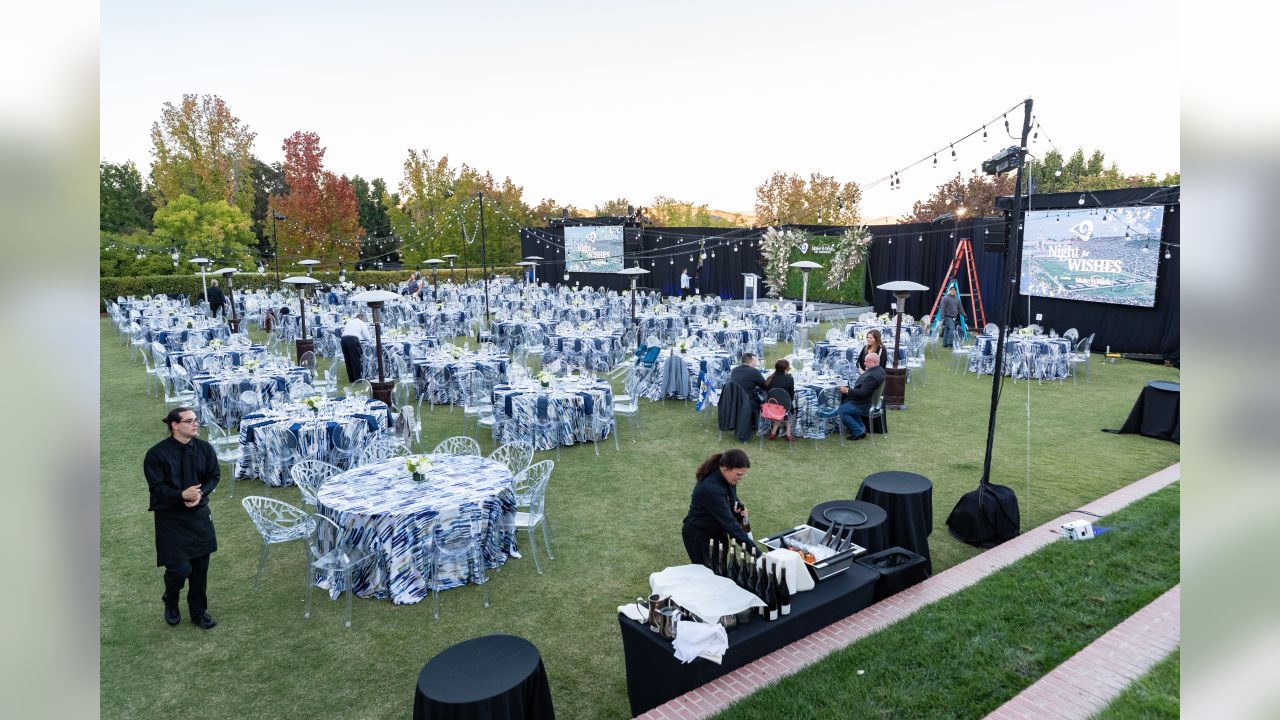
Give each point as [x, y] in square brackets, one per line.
[723, 691]
[1093, 677]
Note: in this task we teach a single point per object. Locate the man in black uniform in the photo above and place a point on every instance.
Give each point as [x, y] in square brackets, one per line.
[216, 299]
[181, 471]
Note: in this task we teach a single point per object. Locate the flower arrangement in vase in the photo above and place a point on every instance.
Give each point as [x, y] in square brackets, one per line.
[418, 465]
[544, 377]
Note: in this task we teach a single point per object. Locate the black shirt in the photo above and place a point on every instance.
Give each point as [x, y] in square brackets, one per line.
[711, 508]
[170, 467]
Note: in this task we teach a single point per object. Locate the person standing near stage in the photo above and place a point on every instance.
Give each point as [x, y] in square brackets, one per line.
[216, 299]
[353, 333]
[181, 472]
[950, 310]
[684, 282]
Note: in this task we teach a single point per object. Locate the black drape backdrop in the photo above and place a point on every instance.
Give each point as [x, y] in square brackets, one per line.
[921, 252]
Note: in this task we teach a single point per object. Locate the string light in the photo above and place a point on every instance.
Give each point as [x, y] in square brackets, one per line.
[953, 153]
[984, 133]
[1081, 200]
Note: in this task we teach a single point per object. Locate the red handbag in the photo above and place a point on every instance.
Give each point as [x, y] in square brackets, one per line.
[773, 410]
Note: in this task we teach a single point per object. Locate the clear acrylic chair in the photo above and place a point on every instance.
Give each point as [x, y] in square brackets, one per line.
[515, 455]
[827, 412]
[333, 560]
[309, 475]
[457, 445]
[383, 448]
[277, 522]
[360, 388]
[531, 496]
[452, 543]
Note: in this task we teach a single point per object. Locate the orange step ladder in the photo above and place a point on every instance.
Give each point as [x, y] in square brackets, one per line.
[964, 255]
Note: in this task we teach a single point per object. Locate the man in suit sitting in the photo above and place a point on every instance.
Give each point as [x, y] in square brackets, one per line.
[857, 400]
[750, 378]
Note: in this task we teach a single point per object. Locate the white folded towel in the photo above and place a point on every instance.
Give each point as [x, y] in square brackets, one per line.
[694, 639]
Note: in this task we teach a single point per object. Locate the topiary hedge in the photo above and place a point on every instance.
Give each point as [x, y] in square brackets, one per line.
[113, 287]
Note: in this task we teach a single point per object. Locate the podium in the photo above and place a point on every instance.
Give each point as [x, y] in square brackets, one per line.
[751, 282]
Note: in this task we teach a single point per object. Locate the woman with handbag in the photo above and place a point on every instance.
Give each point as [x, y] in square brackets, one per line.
[776, 409]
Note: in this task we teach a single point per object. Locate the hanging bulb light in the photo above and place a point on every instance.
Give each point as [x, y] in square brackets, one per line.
[1167, 255]
[1057, 173]
[1006, 123]
[935, 160]
[673, 261]
[920, 239]
[713, 253]
[984, 133]
[566, 277]
[953, 153]
[1126, 234]
[1081, 200]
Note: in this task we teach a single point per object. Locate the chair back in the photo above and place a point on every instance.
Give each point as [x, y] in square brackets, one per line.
[274, 518]
[515, 455]
[782, 396]
[360, 388]
[457, 445]
[309, 475]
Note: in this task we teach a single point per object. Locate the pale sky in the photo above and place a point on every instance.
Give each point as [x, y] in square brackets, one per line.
[701, 101]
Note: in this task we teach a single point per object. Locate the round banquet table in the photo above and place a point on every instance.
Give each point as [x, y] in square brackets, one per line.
[390, 515]
[494, 676]
[1155, 414]
[907, 498]
[870, 533]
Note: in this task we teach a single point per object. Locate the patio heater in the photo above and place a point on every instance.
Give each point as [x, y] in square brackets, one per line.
[375, 299]
[435, 284]
[204, 264]
[535, 260]
[800, 346]
[451, 257]
[634, 273]
[303, 344]
[895, 378]
[308, 264]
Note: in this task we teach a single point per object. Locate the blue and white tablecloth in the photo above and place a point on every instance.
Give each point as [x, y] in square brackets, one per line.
[433, 374]
[177, 336]
[221, 391]
[735, 339]
[1026, 357]
[596, 351]
[390, 515]
[666, 381]
[517, 410]
[315, 432]
[887, 330]
[193, 360]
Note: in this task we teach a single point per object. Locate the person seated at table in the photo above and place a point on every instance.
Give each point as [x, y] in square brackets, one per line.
[781, 379]
[857, 400]
[355, 331]
[715, 512]
[874, 345]
[750, 378]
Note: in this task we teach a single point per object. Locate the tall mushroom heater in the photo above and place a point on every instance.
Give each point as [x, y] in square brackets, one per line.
[375, 299]
[303, 344]
[434, 263]
[204, 264]
[800, 346]
[535, 260]
[234, 322]
[633, 273]
[895, 378]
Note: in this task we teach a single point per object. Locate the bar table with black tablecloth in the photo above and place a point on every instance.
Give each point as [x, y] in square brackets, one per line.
[1156, 412]
[908, 500]
[655, 676]
[484, 678]
[871, 533]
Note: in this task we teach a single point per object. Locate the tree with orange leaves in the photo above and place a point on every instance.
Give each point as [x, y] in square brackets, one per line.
[323, 217]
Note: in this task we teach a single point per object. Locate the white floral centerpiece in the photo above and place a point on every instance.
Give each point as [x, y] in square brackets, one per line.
[417, 465]
[724, 321]
[190, 324]
[544, 377]
[313, 403]
[683, 346]
[884, 317]
[214, 343]
[455, 351]
[250, 364]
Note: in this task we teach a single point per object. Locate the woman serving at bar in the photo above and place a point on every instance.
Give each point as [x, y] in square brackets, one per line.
[714, 510]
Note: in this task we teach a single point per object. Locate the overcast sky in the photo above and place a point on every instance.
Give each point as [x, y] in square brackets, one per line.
[700, 101]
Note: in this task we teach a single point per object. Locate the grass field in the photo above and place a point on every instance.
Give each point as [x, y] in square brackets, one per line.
[616, 519]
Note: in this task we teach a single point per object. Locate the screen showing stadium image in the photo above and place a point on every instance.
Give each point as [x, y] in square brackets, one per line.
[593, 249]
[1106, 255]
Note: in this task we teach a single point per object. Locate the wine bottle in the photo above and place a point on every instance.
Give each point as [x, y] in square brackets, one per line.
[827, 537]
[711, 555]
[761, 590]
[733, 561]
[784, 593]
[744, 572]
[771, 596]
[847, 540]
[719, 558]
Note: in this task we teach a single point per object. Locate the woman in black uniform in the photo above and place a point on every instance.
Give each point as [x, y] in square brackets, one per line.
[714, 510]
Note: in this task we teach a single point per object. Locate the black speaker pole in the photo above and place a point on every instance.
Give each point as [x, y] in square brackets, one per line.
[1012, 267]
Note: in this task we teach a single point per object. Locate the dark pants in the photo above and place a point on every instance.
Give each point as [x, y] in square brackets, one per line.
[697, 543]
[197, 571]
[215, 309]
[352, 355]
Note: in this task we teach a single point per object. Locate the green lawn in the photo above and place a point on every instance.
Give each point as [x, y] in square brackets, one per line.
[971, 652]
[616, 519]
[1153, 696]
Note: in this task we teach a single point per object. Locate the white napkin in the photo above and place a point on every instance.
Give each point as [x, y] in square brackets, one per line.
[798, 577]
[697, 639]
[633, 611]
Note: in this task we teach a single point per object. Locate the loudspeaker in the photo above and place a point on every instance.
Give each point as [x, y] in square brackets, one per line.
[985, 517]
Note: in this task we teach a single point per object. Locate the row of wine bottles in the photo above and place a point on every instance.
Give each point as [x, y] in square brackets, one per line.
[735, 561]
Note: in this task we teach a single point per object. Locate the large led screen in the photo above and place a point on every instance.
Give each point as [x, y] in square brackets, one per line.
[1106, 255]
[593, 248]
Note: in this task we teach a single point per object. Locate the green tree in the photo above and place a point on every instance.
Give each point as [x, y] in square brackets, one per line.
[822, 200]
[123, 203]
[372, 206]
[123, 254]
[548, 209]
[1078, 174]
[613, 208]
[210, 229]
[200, 149]
[669, 212]
[268, 182]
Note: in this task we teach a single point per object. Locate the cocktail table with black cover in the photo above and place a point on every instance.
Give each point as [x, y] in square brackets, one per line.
[1156, 412]
[908, 500]
[869, 521]
[655, 676]
[484, 678]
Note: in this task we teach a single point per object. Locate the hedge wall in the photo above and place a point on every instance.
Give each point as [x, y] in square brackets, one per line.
[113, 287]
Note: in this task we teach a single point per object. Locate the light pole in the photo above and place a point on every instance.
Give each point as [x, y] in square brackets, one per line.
[275, 237]
[484, 265]
[234, 322]
[800, 346]
[634, 273]
[376, 299]
[895, 378]
[303, 344]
